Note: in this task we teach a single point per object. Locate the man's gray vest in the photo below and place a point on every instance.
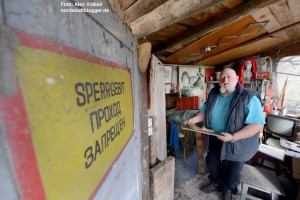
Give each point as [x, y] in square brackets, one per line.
[241, 150]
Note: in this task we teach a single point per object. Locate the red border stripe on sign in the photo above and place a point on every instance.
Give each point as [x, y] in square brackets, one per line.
[16, 125]
[18, 138]
[37, 42]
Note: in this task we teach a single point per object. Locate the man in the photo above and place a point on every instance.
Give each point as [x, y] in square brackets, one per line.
[237, 114]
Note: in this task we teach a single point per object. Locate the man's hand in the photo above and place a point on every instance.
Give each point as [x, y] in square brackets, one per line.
[246, 132]
[198, 118]
[190, 121]
[226, 137]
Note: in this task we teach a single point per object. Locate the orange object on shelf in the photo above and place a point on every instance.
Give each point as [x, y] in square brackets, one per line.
[267, 108]
[189, 103]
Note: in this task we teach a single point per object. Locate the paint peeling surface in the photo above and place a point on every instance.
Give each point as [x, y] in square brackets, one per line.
[81, 118]
[50, 81]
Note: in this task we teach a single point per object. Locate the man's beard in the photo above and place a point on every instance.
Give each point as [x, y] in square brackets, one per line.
[228, 89]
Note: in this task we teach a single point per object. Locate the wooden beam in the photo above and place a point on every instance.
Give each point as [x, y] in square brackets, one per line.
[144, 55]
[142, 7]
[143, 115]
[117, 7]
[290, 49]
[127, 3]
[168, 13]
[215, 23]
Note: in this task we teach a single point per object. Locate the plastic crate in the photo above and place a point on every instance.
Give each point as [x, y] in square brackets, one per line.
[189, 103]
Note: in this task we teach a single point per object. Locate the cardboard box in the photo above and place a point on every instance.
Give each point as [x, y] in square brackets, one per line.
[296, 168]
[289, 145]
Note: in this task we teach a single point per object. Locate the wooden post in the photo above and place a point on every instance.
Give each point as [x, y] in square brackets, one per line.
[201, 170]
[144, 136]
[158, 141]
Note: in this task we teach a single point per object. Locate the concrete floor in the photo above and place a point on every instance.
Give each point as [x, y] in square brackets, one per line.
[185, 170]
[188, 182]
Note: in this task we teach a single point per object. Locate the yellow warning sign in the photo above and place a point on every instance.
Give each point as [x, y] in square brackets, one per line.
[80, 115]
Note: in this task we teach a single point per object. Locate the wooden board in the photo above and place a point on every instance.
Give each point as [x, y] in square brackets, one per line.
[197, 129]
[208, 13]
[186, 55]
[157, 110]
[144, 136]
[294, 8]
[286, 50]
[284, 17]
[222, 20]
[265, 14]
[201, 168]
[244, 51]
[203, 15]
[231, 3]
[162, 178]
[295, 11]
[166, 33]
[144, 55]
[175, 48]
[127, 3]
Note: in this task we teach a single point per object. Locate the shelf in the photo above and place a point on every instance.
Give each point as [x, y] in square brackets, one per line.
[172, 94]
